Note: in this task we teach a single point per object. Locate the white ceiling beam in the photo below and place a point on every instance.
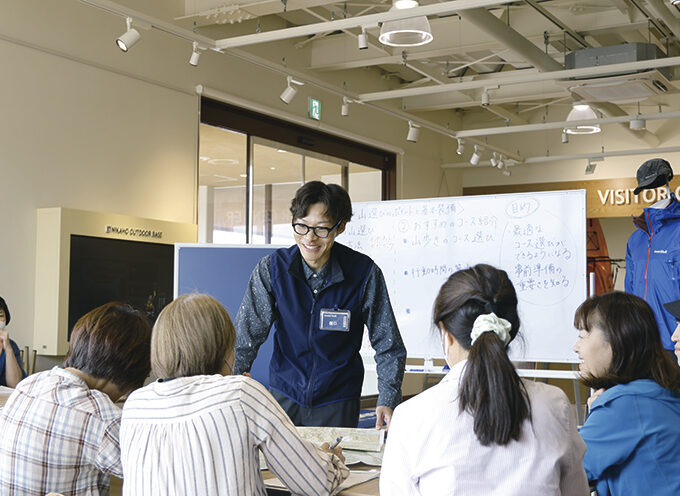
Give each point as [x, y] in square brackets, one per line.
[573, 156]
[532, 92]
[370, 20]
[510, 117]
[523, 76]
[543, 126]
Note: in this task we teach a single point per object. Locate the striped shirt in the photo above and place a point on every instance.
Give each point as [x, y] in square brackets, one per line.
[58, 435]
[202, 435]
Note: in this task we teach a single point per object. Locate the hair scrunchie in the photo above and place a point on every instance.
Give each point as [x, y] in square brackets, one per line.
[489, 322]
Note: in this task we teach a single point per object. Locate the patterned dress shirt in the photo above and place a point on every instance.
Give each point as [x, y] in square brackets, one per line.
[58, 435]
[258, 312]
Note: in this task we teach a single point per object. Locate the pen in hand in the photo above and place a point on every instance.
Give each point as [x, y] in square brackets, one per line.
[335, 443]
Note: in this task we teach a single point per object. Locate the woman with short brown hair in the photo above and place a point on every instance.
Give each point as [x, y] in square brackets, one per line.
[200, 430]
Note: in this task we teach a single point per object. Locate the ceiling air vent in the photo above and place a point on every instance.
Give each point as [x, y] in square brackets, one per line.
[626, 88]
[621, 88]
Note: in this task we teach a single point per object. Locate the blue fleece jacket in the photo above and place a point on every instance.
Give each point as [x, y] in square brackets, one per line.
[632, 436]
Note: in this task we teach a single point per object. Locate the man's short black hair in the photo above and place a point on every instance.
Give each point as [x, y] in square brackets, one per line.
[3, 307]
[334, 198]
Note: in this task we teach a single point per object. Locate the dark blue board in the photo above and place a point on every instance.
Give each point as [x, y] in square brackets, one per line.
[223, 273]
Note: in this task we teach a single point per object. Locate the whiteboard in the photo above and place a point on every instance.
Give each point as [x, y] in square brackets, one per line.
[539, 239]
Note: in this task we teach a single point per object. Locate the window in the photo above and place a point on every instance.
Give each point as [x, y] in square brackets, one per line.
[247, 179]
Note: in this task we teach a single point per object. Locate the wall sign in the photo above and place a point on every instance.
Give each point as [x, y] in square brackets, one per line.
[134, 232]
[315, 109]
[604, 197]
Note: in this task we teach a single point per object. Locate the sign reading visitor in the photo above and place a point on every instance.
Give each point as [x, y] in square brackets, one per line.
[315, 109]
[604, 197]
[133, 232]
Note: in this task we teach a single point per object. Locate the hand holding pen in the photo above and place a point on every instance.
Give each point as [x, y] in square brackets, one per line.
[335, 443]
[334, 448]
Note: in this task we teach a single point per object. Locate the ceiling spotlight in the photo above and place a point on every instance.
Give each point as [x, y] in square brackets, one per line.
[485, 98]
[413, 132]
[290, 91]
[506, 171]
[476, 155]
[582, 112]
[344, 108]
[590, 168]
[501, 161]
[461, 147]
[195, 55]
[494, 159]
[638, 124]
[565, 137]
[129, 38]
[675, 2]
[362, 39]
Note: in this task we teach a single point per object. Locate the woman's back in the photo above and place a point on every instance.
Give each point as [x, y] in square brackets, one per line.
[432, 448]
[202, 435]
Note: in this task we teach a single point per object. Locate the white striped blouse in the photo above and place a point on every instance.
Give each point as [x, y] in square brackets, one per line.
[202, 435]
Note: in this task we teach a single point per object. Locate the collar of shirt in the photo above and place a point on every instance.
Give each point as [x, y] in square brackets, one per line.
[317, 280]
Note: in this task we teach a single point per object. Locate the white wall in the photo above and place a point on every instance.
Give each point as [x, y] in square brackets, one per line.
[85, 126]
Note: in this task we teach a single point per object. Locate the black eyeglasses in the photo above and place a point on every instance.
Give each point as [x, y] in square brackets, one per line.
[319, 232]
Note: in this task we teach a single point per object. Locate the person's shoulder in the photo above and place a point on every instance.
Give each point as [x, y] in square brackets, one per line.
[424, 404]
[544, 392]
[545, 398]
[639, 391]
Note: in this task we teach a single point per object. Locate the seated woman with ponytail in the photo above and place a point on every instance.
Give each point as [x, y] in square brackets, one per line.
[482, 429]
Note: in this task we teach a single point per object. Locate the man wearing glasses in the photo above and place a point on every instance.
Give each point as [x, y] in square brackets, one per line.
[317, 296]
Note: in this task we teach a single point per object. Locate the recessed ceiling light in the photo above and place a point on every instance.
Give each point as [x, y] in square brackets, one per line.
[281, 151]
[204, 158]
[243, 175]
[272, 168]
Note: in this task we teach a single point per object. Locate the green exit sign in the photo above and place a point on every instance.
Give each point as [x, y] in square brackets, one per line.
[314, 109]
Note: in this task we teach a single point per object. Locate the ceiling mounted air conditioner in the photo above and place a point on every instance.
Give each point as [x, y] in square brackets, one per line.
[633, 86]
[626, 88]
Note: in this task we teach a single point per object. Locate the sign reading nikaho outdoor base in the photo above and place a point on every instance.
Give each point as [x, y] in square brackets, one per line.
[604, 197]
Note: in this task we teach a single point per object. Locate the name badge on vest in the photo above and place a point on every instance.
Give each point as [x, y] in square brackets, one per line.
[334, 320]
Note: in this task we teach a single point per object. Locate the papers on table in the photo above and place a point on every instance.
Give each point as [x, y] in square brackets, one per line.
[355, 478]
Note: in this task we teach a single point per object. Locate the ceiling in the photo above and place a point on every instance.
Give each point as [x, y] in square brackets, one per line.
[514, 51]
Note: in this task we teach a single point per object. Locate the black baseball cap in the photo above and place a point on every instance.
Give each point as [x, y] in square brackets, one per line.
[673, 307]
[653, 173]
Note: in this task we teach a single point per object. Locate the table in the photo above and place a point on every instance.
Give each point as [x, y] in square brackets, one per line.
[369, 488]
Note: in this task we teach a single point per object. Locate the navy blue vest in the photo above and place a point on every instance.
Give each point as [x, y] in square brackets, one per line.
[310, 366]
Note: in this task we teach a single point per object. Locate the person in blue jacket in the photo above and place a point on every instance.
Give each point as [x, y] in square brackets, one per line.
[10, 356]
[673, 307]
[632, 432]
[653, 250]
[317, 296]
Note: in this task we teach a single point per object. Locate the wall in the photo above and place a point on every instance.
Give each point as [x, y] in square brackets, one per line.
[88, 127]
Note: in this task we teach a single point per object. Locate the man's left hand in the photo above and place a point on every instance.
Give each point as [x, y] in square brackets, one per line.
[383, 413]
